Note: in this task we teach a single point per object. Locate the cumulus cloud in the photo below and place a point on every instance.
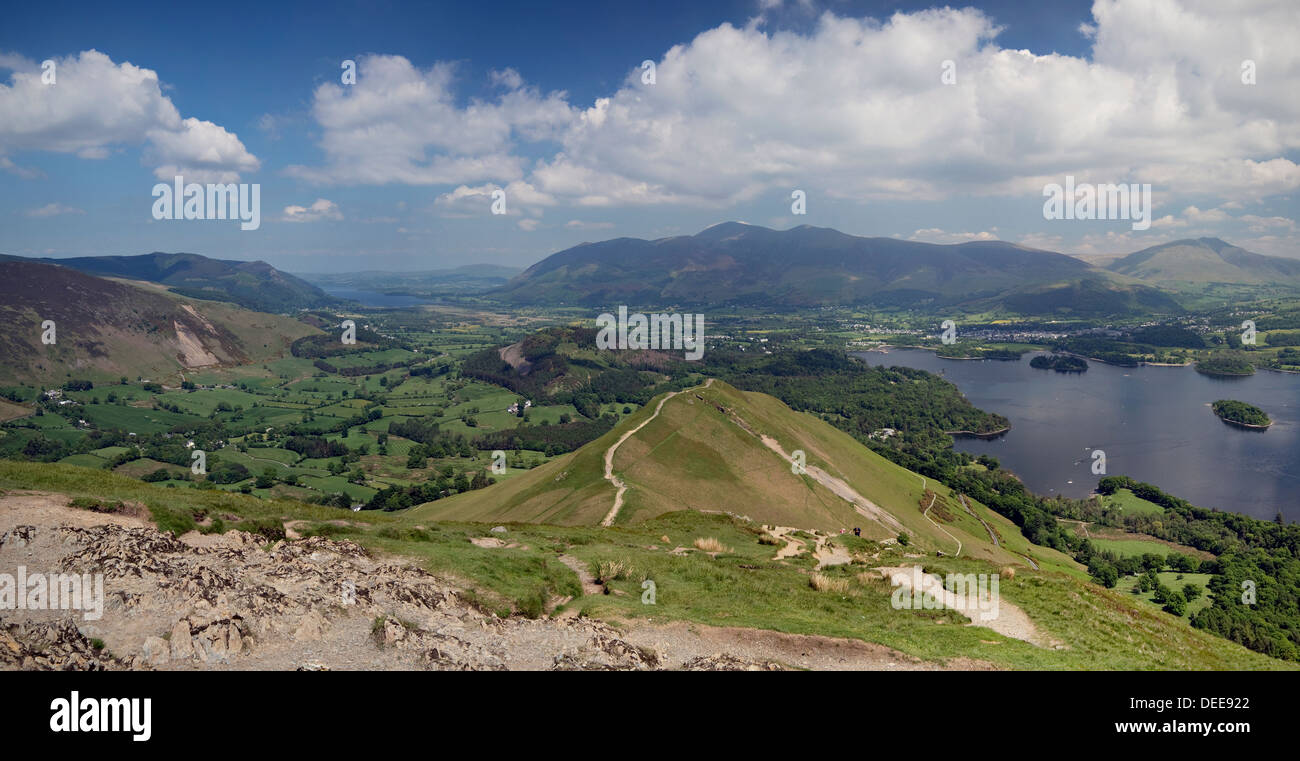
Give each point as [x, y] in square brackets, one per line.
[200, 151]
[320, 210]
[856, 109]
[1199, 221]
[859, 108]
[402, 124]
[1257, 224]
[466, 201]
[95, 106]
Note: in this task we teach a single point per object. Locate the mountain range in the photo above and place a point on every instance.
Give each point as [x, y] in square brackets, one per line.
[253, 285]
[748, 265]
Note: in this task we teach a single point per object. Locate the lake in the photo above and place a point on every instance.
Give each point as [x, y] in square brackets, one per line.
[375, 298]
[1153, 423]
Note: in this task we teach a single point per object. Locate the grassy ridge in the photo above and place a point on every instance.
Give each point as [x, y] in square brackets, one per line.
[1096, 628]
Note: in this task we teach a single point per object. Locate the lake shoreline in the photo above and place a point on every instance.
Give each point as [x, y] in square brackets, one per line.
[1143, 419]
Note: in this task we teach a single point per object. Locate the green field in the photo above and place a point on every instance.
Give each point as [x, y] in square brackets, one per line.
[1132, 547]
[1126, 502]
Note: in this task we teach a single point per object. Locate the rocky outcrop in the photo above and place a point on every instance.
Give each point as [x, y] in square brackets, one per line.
[218, 602]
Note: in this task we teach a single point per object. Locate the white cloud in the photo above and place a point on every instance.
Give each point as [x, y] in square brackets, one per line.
[856, 109]
[936, 235]
[96, 106]
[508, 78]
[1196, 216]
[201, 152]
[578, 224]
[401, 124]
[320, 210]
[466, 201]
[1258, 224]
[12, 168]
[1271, 245]
[53, 210]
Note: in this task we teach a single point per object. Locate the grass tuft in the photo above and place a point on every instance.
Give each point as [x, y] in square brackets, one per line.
[710, 544]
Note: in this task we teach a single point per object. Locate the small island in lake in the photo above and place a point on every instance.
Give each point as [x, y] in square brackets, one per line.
[1242, 414]
[1225, 366]
[1061, 363]
[963, 351]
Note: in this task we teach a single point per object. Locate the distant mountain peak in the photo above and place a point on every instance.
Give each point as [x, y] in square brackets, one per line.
[745, 264]
[728, 229]
[1206, 260]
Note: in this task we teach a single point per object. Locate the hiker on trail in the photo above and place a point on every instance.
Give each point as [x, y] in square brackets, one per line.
[857, 531]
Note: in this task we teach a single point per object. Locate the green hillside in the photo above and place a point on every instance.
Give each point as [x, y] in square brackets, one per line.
[106, 329]
[1076, 624]
[253, 285]
[1186, 263]
[704, 451]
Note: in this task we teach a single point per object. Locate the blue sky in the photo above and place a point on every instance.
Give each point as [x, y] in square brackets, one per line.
[752, 100]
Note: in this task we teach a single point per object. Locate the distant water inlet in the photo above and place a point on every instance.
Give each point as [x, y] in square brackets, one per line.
[1155, 424]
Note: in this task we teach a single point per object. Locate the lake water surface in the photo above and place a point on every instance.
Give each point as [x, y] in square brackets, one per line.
[1154, 424]
[375, 298]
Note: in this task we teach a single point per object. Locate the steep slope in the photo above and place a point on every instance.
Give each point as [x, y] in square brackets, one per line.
[1206, 260]
[253, 285]
[714, 448]
[1091, 298]
[106, 328]
[804, 266]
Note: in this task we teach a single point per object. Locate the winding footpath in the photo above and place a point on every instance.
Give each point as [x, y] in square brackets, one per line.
[992, 536]
[609, 455]
[926, 514]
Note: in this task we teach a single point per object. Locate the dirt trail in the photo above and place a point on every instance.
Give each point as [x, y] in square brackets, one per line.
[801, 651]
[993, 537]
[1005, 618]
[589, 585]
[828, 554]
[825, 553]
[792, 546]
[864, 507]
[609, 456]
[926, 515]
